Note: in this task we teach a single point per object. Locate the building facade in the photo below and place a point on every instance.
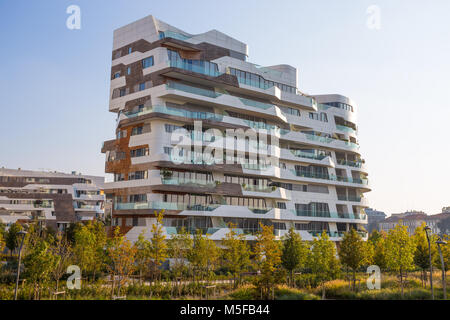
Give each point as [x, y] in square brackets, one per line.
[279, 157]
[414, 219]
[53, 198]
[374, 217]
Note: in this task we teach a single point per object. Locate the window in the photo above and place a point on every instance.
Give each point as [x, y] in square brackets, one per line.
[139, 152]
[129, 70]
[171, 127]
[281, 205]
[168, 150]
[122, 92]
[256, 80]
[314, 116]
[137, 175]
[141, 86]
[147, 62]
[116, 75]
[161, 35]
[135, 221]
[130, 50]
[323, 117]
[137, 131]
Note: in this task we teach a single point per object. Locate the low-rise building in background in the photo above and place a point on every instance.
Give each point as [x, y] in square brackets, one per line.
[53, 198]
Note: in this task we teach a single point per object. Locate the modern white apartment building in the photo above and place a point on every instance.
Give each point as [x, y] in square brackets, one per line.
[301, 168]
[53, 198]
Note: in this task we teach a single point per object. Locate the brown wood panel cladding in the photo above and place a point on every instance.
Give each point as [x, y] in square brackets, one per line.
[52, 180]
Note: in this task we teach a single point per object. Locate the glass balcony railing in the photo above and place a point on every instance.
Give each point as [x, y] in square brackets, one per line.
[308, 155]
[176, 112]
[317, 138]
[345, 129]
[190, 230]
[173, 34]
[192, 182]
[310, 213]
[328, 177]
[349, 198]
[254, 188]
[193, 90]
[356, 164]
[198, 66]
[164, 205]
[256, 104]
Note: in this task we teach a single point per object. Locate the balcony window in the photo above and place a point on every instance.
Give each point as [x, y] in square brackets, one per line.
[117, 75]
[139, 152]
[147, 62]
[129, 70]
[137, 175]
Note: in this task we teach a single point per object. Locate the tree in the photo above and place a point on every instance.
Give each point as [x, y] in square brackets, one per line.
[90, 240]
[294, 253]
[39, 263]
[323, 261]
[203, 255]
[268, 258]
[353, 252]
[121, 254]
[2, 240]
[142, 255]
[236, 253]
[399, 251]
[378, 245]
[61, 248]
[421, 252]
[178, 247]
[12, 238]
[158, 245]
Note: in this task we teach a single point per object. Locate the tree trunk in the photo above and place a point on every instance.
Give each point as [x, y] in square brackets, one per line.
[354, 281]
[401, 281]
[323, 290]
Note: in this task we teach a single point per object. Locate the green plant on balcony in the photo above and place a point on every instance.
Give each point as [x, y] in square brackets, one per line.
[167, 174]
[274, 188]
[218, 183]
[244, 185]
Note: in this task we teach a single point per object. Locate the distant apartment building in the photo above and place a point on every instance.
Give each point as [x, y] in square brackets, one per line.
[414, 219]
[53, 198]
[165, 80]
[374, 218]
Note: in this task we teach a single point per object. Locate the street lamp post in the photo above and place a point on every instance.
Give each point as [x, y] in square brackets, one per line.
[428, 233]
[444, 285]
[22, 233]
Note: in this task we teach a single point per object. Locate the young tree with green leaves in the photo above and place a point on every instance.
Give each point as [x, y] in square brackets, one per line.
[121, 264]
[142, 255]
[90, 241]
[12, 237]
[203, 255]
[158, 245]
[354, 252]
[294, 253]
[60, 247]
[399, 251]
[421, 252]
[268, 258]
[236, 252]
[178, 248]
[323, 261]
[39, 263]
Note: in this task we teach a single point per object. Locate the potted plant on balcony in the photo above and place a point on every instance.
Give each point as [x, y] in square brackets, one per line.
[167, 174]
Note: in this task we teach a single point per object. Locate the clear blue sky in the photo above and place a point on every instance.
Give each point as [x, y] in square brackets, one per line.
[55, 82]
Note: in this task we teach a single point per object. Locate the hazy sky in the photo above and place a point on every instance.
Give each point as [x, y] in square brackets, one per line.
[55, 81]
